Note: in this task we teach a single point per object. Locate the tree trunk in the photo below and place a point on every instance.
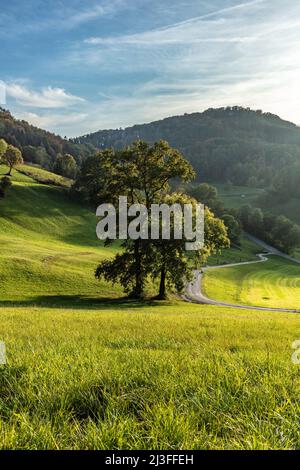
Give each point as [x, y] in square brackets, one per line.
[162, 287]
[138, 290]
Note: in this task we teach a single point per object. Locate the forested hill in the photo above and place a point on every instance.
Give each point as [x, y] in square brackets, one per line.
[37, 145]
[235, 144]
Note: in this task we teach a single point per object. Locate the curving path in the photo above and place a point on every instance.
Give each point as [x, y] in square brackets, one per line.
[194, 292]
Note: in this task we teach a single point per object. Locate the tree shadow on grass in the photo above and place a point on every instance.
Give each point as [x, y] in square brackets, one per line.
[82, 302]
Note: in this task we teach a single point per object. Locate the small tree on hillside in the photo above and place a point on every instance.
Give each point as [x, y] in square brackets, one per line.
[233, 228]
[12, 158]
[65, 165]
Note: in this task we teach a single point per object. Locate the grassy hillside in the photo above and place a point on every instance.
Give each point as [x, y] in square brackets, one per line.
[43, 176]
[49, 247]
[246, 251]
[234, 197]
[275, 283]
[88, 372]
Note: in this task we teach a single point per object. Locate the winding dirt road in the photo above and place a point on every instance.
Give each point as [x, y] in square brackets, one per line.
[194, 289]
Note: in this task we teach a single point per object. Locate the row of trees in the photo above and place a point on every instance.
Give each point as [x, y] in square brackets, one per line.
[64, 165]
[37, 145]
[143, 173]
[208, 195]
[278, 231]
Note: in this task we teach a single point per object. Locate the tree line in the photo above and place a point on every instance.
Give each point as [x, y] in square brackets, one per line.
[278, 231]
[231, 145]
[39, 146]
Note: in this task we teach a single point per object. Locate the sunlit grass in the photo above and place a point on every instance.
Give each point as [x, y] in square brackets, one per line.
[275, 283]
[152, 377]
[89, 371]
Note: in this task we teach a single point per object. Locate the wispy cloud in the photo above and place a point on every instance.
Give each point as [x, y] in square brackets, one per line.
[46, 98]
[103, 9]
[63, 16]
[172, 57]
[54, 121]
[187, 31]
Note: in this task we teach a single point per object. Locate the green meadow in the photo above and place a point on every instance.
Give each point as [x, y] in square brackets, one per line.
[275, 283]
[88, 369]
[234, 197]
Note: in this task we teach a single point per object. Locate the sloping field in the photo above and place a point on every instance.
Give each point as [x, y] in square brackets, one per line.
[49, 248]
[275, 283]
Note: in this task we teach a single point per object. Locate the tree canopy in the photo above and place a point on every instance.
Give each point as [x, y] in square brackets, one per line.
[143, 172]
[12, 157]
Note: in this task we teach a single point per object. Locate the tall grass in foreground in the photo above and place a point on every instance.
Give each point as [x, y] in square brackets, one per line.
[154, 377]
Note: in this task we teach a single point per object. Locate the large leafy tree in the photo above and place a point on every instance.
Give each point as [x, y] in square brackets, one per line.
[170, 261]
[142, 172]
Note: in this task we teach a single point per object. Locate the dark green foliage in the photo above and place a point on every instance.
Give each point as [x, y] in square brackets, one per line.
[276, 230]
[231, 144]
[233, 228]
[39, 146]
[287, 184]
[65, 165]
[123, 270]
[3, 148]
[208, 195]
[143, 172]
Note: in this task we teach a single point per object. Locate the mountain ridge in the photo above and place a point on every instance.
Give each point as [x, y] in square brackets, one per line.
[232, 144]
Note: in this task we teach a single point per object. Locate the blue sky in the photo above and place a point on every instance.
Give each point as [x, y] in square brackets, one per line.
[78, 66]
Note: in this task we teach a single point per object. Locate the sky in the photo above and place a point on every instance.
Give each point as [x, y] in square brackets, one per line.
[77, 66]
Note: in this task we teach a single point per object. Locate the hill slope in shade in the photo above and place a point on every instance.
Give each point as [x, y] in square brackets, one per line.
[49, 249]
